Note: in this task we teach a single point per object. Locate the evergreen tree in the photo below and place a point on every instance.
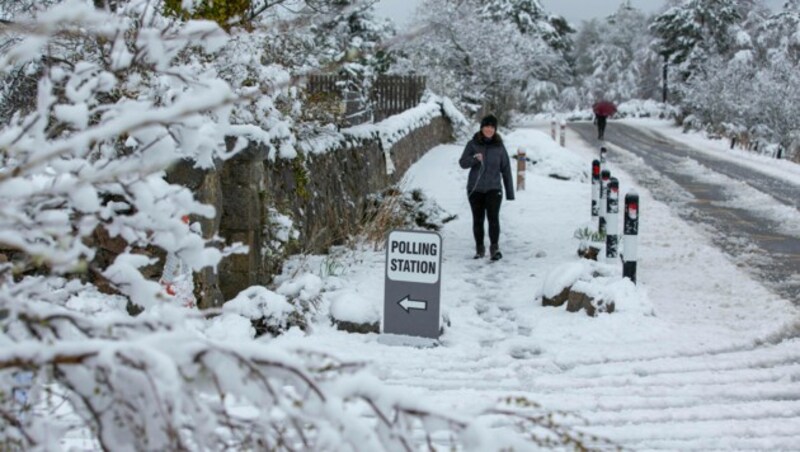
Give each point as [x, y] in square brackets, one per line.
[353, 41]
[689, 33]
[613, 56]
[778, 36]
[531, 19]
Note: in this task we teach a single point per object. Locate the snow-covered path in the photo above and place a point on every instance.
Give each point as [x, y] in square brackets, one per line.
[686, 362]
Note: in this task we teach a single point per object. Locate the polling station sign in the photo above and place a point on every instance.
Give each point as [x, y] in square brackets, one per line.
[413, 283]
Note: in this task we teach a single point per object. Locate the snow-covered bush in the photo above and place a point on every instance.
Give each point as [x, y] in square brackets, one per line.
[292, 304]
[396, 209]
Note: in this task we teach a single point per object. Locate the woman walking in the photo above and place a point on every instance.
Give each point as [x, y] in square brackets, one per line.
[488, 162]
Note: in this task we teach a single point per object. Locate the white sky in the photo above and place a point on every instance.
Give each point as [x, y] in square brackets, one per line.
[401, 11]
[577, 10]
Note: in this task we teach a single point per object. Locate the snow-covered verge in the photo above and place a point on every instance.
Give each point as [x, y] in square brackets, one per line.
[670, 114]
[634, 108]
[700, 141]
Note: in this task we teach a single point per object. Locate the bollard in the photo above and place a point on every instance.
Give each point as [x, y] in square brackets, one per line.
[603, 152]
[563, 133]
[612, 218]
[605, 175]
[553, 129]
[522, 161]
[595, 189]
[630, 245]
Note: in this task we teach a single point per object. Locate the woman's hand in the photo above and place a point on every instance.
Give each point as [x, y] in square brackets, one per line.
[479, 157]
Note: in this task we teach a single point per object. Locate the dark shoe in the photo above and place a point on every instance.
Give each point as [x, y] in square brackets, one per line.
[494, 252]
[479, 252]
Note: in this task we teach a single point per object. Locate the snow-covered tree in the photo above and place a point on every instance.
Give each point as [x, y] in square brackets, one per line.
[778, 37]
[355, 42]
[531, 19]
[694, 30]
[751, 86]
[497, 55]
[614, 60]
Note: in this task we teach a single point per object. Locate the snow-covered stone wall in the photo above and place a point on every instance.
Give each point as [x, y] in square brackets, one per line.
[277, 206]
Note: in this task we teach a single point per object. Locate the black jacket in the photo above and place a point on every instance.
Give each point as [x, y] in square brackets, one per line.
[486, 177]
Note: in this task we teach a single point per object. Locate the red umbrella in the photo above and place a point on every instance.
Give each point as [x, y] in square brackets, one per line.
[604, 108]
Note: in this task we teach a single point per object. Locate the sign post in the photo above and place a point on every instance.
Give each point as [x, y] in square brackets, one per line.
[413, 284]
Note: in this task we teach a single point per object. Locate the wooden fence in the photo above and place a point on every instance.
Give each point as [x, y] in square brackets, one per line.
[390, 95]
[393, 94]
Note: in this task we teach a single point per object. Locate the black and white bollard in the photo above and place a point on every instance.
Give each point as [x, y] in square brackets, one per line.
[553, 129]
[595, 189]
[630, 238]
[612, 218]
[605, 175]
[603, 152]
[563, 133]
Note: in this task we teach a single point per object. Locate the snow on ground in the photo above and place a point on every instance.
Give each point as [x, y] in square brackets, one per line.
[698, 355]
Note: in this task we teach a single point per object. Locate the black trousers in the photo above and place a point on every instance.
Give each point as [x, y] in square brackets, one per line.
[601, 127]
[486, 205]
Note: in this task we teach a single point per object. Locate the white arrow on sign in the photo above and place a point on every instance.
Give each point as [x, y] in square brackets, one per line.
[407, 303]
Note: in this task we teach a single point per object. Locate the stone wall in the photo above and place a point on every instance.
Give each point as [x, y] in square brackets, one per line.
[325, 196]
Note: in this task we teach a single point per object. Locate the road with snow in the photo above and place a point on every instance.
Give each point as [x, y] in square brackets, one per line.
[769, 247]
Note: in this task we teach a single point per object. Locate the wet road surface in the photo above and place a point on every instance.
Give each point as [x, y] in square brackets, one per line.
[770, 249]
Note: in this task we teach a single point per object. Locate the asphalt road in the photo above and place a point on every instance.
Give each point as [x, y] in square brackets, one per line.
[769, 249]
